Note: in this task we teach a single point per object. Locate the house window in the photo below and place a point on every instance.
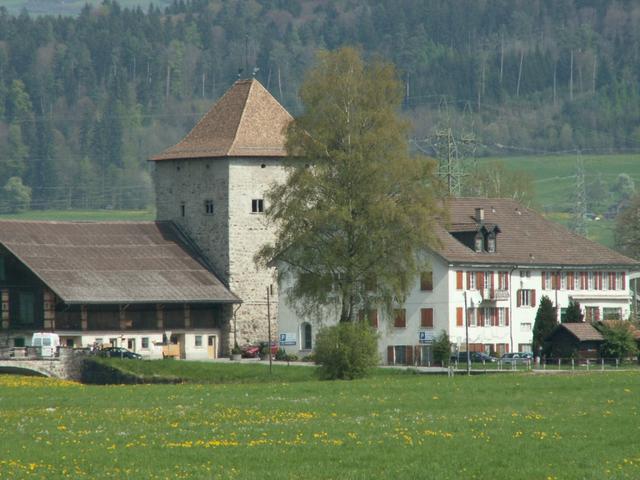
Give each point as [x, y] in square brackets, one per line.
[605, 281]
[525, 327]
[307, 336]
[426, 317]
[590, 280]
[400, 318]
[478, 244]
[488, 316]
[472, 317]
[400, 354]
[491, 243]
[26, 308]
[612, 313]
[471, 277]
[563, 280]
[369, 316]
[501, 321]
[592, 314]
[526, 298]
[182, 209]
[208, 207]
[257, 205]
[426, 281]
[144, 343]
[525, 273]
[19, 342]
[198, 341]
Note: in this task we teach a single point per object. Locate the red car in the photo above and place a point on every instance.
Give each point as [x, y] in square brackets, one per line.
[253, 351]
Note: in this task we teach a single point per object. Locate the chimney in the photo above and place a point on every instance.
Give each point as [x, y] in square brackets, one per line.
[480, 215]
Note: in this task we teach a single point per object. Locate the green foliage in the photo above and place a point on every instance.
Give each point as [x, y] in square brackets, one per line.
[357, 207]
[16, 196]
[573, 314]
[544, 324]
[619, 339]
[627, 233]
[442, 348]
[346, 351]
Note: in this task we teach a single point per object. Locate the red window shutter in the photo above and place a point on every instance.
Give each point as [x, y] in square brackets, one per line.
[554, 281]
[506, 316]
[373, 318]
[506, 280]
[492, 280]
[544, 280]
[480, 280]
[390, 355]
[426, 317]
[426, 281]
[481, 317]
[408, 354]
[597, 313]
[570, 281]
[533, 298]
[459, 317]
[459, 280]
[623, 285]
[519, 298]
[495, 316]
[400, 320]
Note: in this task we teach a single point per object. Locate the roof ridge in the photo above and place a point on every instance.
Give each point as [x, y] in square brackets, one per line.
[244, 109]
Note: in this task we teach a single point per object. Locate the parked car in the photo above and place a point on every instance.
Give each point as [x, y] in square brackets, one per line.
[119, 352]
[476, 357]
[515, 357]
[254, 350]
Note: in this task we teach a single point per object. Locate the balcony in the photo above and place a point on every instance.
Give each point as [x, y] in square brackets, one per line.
[494, 294]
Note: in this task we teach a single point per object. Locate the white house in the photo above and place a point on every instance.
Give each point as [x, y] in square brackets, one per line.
[495, 262]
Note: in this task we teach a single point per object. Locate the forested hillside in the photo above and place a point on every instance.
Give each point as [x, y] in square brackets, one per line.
[85, 100]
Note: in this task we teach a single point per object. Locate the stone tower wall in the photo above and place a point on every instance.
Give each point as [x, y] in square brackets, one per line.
[232, 235]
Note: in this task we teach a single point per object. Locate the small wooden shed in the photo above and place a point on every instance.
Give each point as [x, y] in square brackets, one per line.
[578, 340]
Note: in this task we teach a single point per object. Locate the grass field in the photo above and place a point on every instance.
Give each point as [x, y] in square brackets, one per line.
[392, 426]
[84, 215]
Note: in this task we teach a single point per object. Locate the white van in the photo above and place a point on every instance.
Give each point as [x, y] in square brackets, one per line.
[48, 343]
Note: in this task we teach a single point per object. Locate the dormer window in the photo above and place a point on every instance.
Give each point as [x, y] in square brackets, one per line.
[479, 242]
[491, 243]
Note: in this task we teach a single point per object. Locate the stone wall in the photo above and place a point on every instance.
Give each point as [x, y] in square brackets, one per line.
[232, 235]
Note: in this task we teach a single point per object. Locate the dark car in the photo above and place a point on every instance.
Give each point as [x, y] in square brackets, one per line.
[119, 352]
[476, 357]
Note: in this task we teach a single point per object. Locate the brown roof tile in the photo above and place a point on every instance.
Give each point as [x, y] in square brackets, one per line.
[525, 238]
[584, 332]
[113, 262]
[245, 122]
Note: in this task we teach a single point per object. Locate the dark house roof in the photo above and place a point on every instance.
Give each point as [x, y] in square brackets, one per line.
[525, 238]
[113, 262]
[583, 332]
[245, 122]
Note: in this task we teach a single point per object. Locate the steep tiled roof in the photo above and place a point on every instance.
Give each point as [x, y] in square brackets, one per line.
[113, 262]
[246, 122]
[525, 238]
[584, 332]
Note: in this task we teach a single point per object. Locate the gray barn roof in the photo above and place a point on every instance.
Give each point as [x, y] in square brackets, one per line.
[113, 262]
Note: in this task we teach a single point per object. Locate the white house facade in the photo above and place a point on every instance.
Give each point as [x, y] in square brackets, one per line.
[495, 262]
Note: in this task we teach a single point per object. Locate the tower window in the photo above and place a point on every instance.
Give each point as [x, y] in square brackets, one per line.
[208, 207]
[257, 205]
[182, 209]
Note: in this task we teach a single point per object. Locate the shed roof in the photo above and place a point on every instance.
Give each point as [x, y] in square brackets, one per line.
[113, 262]
[245, 122]
[584, 332]
[526, 238]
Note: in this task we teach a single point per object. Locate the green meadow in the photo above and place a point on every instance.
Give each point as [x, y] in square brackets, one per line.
[83, 215]
[501, 426]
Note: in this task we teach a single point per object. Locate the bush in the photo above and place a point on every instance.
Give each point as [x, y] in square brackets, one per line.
[619, 340]
[281, 355]
[442, 349]
[346, 351]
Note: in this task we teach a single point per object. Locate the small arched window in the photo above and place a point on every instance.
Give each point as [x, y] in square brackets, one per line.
[306, 334]
[479, 242]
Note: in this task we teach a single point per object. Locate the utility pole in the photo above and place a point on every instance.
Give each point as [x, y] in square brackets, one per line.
[269, 328]
[580, 201]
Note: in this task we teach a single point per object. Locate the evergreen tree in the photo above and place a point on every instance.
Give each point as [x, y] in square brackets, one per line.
[573, 314]
[544, 324]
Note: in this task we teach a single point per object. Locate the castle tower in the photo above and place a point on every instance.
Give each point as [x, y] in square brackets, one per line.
[212, 184]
